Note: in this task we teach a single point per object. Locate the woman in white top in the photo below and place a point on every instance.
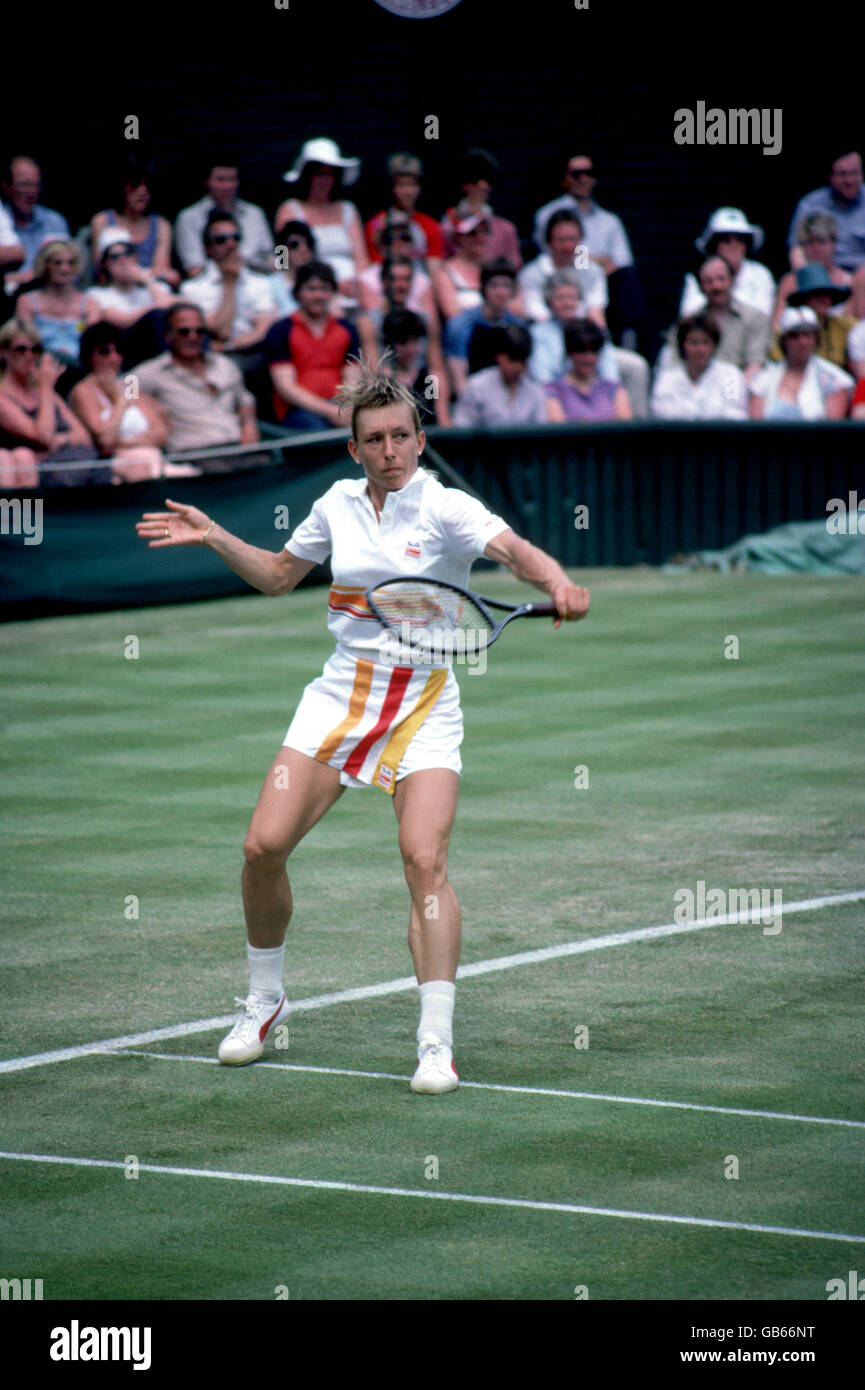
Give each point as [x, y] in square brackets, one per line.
[319, 174]
[803, 386]
[126, 290]
[458, 282]
[367, 721]
[699, 387]
[130, 432]
[731, 235]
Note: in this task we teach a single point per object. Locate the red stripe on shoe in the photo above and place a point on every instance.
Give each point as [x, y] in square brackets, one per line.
[395, 691]
[262, 1033]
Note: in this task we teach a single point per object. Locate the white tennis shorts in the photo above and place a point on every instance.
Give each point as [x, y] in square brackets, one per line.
[378, 723]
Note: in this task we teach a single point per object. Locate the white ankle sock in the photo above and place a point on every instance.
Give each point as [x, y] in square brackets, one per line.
[265, 971]
[436, 1011]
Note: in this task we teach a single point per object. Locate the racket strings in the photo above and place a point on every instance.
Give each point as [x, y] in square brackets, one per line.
[423, 607]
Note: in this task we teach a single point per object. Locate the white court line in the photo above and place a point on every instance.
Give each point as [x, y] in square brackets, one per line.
[423, 1195]
[407, 982]
[511, 1090]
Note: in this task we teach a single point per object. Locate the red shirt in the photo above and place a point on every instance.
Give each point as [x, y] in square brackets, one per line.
[859, 393]
[318, 361]
[430, 234]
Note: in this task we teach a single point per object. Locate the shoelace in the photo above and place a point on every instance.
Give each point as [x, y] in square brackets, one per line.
[249, 1010]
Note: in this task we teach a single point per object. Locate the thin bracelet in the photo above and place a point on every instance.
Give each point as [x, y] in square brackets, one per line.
[208, 531]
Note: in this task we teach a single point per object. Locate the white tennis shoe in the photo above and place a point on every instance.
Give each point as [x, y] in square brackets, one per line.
[245, 1042]
[436, 1072]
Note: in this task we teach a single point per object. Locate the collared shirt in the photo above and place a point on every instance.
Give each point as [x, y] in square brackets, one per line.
[850, 246]
[256, 239]
[45, 225]
[204, 411]
[745, 338]
[719, 394]
[487, 401]
[252, 296]
[425, 530]
[8, 236]
[603, 232]
[753, 285]
[533, 277]
[318, 359]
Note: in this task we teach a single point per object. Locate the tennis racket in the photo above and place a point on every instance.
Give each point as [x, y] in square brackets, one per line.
[430, 615]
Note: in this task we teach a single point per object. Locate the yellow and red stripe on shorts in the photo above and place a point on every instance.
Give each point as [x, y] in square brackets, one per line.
[385, 708]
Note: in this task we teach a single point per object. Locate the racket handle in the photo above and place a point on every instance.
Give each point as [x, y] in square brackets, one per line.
[542, 610]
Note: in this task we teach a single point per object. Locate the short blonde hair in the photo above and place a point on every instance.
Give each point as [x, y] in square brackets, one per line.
[820, 224]
[50, 248]
[374, 390]
[16, 328]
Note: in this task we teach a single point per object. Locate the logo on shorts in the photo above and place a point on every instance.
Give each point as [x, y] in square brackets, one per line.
[413, 549]
[385, 776]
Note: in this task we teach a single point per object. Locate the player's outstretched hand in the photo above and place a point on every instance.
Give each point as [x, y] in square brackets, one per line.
[572, 602]
[180, 526]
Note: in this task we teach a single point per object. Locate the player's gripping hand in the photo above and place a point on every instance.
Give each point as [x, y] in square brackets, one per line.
[180, 526]
[572, 602]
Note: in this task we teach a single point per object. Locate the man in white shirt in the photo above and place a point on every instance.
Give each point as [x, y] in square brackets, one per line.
[366, 720]
[11, 250]
[564, 233]
[603, 231]
[608, 246]
[222, 182]
[236, 302]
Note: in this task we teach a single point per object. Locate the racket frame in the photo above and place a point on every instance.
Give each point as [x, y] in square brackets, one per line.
[511, 610]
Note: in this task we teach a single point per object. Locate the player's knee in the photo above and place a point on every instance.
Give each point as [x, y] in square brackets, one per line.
[262, 857]
[425, 863]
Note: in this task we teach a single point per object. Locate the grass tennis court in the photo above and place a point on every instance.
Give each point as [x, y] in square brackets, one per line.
[135, 778]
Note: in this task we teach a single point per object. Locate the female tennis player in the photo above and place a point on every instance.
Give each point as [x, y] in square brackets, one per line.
[367, 721]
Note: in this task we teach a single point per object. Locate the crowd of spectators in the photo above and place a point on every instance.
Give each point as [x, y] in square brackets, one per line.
[135, 338]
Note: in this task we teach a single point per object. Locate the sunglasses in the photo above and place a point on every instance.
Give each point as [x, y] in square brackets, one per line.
[575, 173]
[222, 237]
[118, 255]
[190, 332]
[21, 348]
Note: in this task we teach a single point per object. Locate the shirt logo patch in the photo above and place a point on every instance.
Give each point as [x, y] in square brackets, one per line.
[413, 550]
[385, 775]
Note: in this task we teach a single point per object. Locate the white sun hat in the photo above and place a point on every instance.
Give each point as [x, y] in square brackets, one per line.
[321, 150]
[795, 320]
[730, 220]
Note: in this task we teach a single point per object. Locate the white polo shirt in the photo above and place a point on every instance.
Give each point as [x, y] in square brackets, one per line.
[426, 531]
[252, 296]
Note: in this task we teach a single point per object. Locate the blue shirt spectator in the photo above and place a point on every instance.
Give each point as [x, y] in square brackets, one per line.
[844, 199]
[33, 224]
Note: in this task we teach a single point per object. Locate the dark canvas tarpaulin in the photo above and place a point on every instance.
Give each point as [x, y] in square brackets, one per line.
[90, 556]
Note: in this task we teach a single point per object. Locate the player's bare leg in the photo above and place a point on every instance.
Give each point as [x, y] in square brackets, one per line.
[425, 804]
[296, 793]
